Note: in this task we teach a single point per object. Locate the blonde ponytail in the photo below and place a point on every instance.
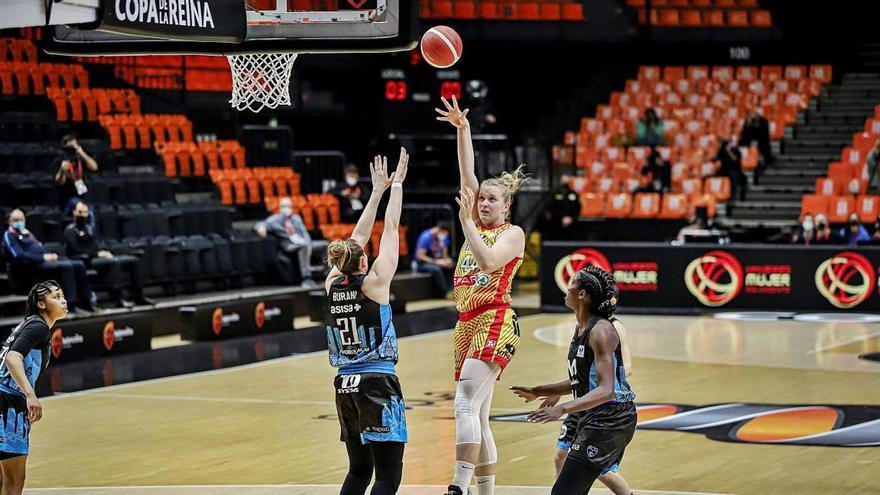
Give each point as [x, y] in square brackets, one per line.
[345, 255]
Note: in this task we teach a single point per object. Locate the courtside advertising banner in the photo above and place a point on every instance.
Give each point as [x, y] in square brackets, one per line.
[711, 277]
[220, 21]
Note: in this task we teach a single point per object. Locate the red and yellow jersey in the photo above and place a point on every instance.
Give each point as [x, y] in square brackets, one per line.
[473, 288]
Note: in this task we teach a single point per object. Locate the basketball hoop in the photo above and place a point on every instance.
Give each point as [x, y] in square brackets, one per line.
[260, 80]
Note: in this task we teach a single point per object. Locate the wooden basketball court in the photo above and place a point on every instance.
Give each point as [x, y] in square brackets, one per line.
[270, 428]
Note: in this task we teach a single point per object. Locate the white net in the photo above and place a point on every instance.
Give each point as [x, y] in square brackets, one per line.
[260, 80]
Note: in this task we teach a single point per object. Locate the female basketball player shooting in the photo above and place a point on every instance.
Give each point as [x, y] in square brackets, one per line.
[23, 359]
[363, 342]
[487, 332]
[597, 382]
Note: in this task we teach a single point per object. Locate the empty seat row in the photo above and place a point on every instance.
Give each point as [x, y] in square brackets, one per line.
[36, 188]
[19, 78]
[716, 18]
[185, 159]
[838, 208]
[745, 73]
[721, 4]
[89, 103]
[27, 127]
[335, 231]
[506, 10]
[644, 205]
[17, 50]
[131, 131]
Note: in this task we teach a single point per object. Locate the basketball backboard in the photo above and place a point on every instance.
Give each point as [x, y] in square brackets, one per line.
[229, 27]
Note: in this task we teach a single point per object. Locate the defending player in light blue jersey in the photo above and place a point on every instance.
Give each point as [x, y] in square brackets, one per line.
[363, 343]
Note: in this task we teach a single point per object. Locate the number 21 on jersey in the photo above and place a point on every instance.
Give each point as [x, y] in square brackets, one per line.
[348, 330]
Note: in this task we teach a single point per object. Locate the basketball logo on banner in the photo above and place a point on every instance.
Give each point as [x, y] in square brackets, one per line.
[714, 278]
[571, 264]
[846, 279]
[217, 321]
[260, 314]
[56, 343]
[109, 335]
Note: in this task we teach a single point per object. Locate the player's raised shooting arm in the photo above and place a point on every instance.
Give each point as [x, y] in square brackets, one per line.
[603, 340]
[389, 246]
[458, 118]
[381, 181]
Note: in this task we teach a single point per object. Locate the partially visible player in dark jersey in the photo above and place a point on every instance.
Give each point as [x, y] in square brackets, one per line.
[597, 380]
[24, 357]
[363, 343]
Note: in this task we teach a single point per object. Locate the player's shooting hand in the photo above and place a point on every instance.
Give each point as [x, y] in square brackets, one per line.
[453, 114]
[545, 415]
[527, 393]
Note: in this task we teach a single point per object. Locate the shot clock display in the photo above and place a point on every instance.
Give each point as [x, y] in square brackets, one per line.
[418, 82]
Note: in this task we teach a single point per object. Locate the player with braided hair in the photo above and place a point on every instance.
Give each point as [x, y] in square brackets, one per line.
[23, 358]
[597, 380]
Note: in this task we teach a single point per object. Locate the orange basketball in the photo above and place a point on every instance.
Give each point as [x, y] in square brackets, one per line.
[441, 46]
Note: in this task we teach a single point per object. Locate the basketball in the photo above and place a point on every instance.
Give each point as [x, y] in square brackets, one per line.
[441, 46]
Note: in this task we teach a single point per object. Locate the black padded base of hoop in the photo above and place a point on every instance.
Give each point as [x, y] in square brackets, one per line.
[406, 39]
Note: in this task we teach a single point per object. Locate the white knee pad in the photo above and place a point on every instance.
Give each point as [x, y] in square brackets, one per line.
[467, 419]
[474, 387]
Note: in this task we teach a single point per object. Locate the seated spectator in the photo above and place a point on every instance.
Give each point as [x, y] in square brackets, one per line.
[756, 130]
[656, 174]
[81, 244]
[71, 175]
[28, 261]
[294, 244]
[872, 162]
[805, 231]
[351, 195]
[432, 256]
[562, 211]
[876, 235]
[823, 234]
[649, 130]
[729, 161]
[854, 232]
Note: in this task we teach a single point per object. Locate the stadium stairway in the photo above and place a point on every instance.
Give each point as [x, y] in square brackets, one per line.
[806, 150]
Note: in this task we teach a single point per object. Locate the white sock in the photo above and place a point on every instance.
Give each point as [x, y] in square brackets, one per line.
[463, 472]
[486, 485]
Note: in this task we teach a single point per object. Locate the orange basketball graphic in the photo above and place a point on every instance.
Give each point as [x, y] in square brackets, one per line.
[109, 335]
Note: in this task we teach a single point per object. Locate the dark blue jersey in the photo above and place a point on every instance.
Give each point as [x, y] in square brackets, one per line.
[30, 339]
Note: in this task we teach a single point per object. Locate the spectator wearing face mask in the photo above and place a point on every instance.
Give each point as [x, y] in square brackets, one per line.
[351, 195]
[854, 232]
[804, 234]
[80, 243]
[823, 234]
[28, 260]
[294, 244]
[432, 256]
